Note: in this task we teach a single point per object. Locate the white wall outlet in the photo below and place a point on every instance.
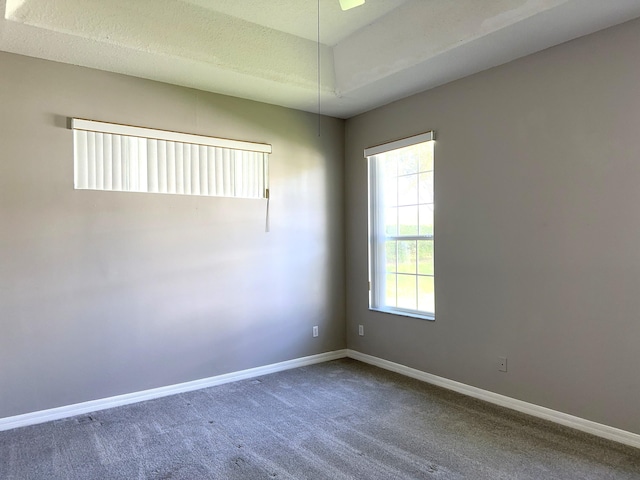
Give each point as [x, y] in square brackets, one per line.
[315, 331]
[502, 364]
[361, 330]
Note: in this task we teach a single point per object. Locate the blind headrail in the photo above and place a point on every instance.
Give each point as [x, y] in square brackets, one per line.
[403, 142]
[143, 132]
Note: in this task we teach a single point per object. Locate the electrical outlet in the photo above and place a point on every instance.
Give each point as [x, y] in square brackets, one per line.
[315, 331]
[361, 330]
[502, 364]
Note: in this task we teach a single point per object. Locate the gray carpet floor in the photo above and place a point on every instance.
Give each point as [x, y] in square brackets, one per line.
[337, 420]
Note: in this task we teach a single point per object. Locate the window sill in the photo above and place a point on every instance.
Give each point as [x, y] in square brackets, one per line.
[405, 313]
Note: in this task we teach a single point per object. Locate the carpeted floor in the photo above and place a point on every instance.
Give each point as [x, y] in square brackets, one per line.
[337, 420]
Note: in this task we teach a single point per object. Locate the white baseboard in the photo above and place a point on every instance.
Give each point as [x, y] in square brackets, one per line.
[110, 402]
[578, 423]
[604, 431]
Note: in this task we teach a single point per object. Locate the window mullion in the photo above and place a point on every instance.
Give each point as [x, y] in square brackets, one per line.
[407, 238]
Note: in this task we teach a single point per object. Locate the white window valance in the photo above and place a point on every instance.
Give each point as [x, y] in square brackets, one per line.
[117, 157]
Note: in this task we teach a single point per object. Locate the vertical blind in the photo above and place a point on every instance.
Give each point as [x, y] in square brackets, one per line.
[134, 159]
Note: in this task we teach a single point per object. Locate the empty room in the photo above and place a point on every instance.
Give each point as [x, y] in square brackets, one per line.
[319, 239]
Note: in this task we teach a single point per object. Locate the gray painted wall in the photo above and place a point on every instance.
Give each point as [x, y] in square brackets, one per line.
[537, 178]
[537, 247]
[104, 293]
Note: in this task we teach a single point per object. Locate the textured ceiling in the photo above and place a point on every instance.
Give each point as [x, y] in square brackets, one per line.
[300, 17]
[267, 50]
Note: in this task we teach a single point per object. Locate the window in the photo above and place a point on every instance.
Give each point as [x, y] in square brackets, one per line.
[116, 157]
[401, 212]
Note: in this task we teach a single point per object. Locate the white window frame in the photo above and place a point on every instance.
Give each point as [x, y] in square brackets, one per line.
[378, 236]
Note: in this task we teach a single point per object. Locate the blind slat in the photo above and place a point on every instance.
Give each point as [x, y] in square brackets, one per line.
[195, 169]
[186, 156]
[117, 162]
[211, 170]
[91, 160]
[162, 166]
[152, 165]
[81, 171]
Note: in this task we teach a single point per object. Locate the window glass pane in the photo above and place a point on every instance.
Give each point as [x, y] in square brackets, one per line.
[407, 297]
[407, 160]
[390, 290]
[425, 257]
[408, 190]
[426, 296]
[408, 220]
[390, 191]
[407, 256]
[426, 156]
[388, 165]
[426, 187]
[390, 255]
[391, 221]
[426, 219]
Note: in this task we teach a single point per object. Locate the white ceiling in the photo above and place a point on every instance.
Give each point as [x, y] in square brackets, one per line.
[300, 17]
[267, 50]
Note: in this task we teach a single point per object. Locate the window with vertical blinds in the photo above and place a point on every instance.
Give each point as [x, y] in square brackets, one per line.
[135, 159]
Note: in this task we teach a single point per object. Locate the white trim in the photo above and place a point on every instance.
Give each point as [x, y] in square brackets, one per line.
[598, 429]
[117, 129]
[403, 142]
[42, 416]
